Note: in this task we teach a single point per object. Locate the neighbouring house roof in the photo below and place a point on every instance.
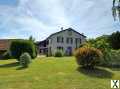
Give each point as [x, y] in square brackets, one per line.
[4, 44]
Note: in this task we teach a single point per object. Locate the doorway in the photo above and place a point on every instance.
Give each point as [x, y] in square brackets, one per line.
[69, 51]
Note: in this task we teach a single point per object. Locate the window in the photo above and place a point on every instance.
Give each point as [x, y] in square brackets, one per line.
[78, 40]
[57, 39]
[69, 40]
[60, 39]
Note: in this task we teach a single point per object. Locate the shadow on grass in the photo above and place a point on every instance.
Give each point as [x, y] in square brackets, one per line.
[9, 65]
[15, 64]
[21, 68]
[96, 72]
[114, 67]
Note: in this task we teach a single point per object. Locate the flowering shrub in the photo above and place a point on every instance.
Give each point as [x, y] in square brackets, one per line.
[88, 56]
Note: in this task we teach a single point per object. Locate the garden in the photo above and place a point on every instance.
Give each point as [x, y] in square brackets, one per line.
[94, 64]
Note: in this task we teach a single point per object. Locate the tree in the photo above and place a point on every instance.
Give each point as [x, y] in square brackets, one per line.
[116, 9]
[115, 40]
[31, 38]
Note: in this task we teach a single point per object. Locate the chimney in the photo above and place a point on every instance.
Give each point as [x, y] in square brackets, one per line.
[61, 28]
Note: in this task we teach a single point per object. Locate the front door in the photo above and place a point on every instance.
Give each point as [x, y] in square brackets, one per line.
[69, 51]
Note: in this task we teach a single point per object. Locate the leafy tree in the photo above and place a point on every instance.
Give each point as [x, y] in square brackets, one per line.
[115, 40]
[101, 43]
[116, 9]
[31, 38]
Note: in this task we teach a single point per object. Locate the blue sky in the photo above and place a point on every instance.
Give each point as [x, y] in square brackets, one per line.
[9, 2]
[40, 18]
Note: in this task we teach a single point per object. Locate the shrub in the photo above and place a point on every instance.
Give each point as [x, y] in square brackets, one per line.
[88, 56]
[6, 55]
[114, 58]
[103, 45]
[25, 59]
[18, 47]
[58, 53]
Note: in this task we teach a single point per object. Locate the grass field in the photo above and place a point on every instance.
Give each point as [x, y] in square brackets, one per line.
[54, 73]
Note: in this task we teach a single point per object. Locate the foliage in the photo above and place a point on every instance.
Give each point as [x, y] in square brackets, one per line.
[20, 46]
[115, 40]
[88, 56]
[101, 43]
[25, 59]
[116, 9]
[105, 44]
[7, 55]
[114, 59]
[58, 53]
[32, 39]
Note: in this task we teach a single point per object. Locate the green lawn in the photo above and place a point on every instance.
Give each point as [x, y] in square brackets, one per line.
[54, 73]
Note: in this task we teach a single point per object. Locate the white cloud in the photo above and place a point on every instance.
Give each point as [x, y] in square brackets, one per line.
[40, 18]
[30, 16]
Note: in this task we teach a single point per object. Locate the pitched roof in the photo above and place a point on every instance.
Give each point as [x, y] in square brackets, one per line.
[4, 44]
[65, 30]
[38, 42]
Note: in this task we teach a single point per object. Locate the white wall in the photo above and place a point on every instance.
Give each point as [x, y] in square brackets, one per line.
[64, 34]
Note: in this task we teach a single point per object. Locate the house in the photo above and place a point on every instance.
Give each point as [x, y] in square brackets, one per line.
[66, 40]
[4, 45]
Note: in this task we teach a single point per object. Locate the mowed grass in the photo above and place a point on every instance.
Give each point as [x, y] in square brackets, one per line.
[54, 73]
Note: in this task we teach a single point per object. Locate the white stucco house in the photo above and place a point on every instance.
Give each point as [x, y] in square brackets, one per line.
[66, 40]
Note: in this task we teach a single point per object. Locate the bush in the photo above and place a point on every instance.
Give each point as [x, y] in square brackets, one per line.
[58, 53]
[114, 59]
[25, 59]
[103, 45]
[6, 55]
[18, 47]
[88, 56]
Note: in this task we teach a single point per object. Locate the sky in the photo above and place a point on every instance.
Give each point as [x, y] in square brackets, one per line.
[40, 18]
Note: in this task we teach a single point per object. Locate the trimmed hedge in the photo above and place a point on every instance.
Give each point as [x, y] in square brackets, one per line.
[19, 47]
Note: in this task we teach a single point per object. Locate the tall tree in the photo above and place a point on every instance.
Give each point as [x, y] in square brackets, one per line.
[31, 38]
[116, 9]
[114, 40]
